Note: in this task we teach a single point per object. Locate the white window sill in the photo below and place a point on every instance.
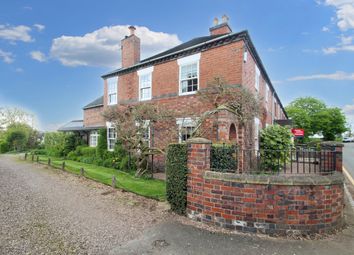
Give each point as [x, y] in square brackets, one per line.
[188, 93]
[144, 99]
[112, 104]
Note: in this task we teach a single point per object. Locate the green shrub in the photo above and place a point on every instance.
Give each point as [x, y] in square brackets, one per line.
[88, 151]
[71, 141]
[39, 152]
[72, 155]
[87, 160]
[101, 143]
[176, 174]
[107, 162]
[223, 157]
[275, 145]
[54, 143]
[17, 139]
[4, 147]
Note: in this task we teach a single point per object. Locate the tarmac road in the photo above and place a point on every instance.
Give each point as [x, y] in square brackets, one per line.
[348, 157]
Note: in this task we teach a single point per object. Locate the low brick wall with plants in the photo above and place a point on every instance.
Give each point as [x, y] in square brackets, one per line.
[270, 204]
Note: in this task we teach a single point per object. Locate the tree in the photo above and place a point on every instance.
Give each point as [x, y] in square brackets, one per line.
[332, 123]
[132, 124]
[237, 99]
[10, 116]
[314, 117]
[17, 139]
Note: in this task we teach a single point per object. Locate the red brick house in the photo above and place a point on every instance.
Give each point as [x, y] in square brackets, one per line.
[173, 77]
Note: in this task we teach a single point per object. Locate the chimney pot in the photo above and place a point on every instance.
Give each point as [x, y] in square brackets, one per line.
[215, 21]
[225, 18]
[132, 30]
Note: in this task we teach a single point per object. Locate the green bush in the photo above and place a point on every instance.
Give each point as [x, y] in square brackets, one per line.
[87, 160]
[54, 143]
[275, 145]
[39, 152]
[176, 174]
[101, 143]
[17, 140]
[107, 162]
[4, 147]
[88, 152]
[223, 157]
[71, 141]
[72, 155]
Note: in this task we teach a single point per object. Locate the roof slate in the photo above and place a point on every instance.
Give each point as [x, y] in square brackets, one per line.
[97, 102]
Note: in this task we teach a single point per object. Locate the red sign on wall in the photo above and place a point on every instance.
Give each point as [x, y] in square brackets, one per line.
[298, 132]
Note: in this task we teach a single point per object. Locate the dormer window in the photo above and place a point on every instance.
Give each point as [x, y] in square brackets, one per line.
[189, 74]
[112, 87]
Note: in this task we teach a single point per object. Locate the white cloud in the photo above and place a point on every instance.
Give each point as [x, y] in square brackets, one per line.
[38, 55]
[28, 8]
[39, 27]
[19, 70]
[333, 76]
[325, 29]
[102, 47]
[7, 57]
[349, 112]
[344, 13]
[15, 33]
[345, 44]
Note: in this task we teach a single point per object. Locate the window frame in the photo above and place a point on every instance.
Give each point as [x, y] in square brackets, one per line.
[190, 60]
[110, 146]
[110, 92]
[257, 78]
[93, 134]
[142, 73]
[184, 123]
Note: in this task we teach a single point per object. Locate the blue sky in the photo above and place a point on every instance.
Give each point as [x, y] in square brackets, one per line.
[52, 53]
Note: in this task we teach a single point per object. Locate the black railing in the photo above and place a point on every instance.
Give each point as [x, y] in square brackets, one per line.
[298, 160]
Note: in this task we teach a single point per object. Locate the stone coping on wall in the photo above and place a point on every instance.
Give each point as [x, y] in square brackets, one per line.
[287, 180]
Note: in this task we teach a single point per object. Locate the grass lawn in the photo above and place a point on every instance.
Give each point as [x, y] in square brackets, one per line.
[142, 186]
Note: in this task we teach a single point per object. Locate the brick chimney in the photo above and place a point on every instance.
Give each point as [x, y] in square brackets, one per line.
[130, 49]
[222, 28]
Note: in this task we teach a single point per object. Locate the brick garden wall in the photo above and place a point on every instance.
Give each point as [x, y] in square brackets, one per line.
[263, 204]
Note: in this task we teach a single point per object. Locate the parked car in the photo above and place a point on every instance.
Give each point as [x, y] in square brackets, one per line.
[348, 139]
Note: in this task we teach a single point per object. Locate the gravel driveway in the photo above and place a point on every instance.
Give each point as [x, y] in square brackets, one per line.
[46, 211]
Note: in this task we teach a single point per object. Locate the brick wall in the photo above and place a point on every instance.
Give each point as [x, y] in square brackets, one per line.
[93, 117]
[264, 204]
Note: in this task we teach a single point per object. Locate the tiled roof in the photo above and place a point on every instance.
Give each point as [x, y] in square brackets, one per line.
[96, 103]
[77, 125]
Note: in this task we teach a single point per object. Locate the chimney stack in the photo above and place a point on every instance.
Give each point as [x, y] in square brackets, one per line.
[222, 28]
[130, 47]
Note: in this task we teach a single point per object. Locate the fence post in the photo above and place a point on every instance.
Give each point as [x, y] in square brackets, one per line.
[82, 171]
[26, 156]
[114, 181]
[32, 157]
[37, 159]
[49, 161]
[63, 166]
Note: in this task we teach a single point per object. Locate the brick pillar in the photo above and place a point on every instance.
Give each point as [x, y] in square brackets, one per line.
[332, 154]
[198, 162]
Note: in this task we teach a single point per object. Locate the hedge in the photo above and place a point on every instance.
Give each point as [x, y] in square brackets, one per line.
[101, 143]
[223, 158]
[176, 177]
